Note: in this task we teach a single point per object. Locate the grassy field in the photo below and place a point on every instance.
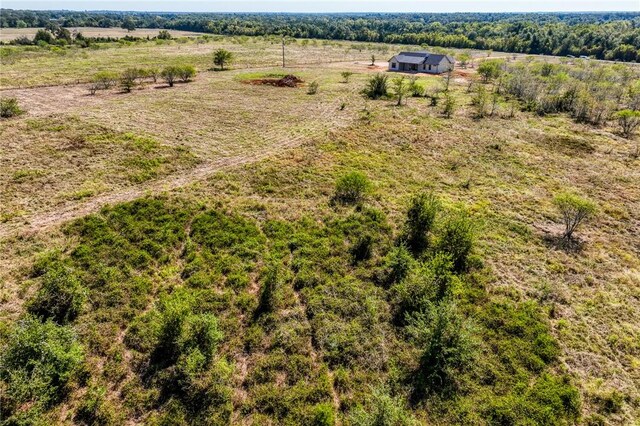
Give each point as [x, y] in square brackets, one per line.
[246, 174]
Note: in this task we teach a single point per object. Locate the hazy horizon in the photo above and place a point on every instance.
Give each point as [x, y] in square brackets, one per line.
[329, 6]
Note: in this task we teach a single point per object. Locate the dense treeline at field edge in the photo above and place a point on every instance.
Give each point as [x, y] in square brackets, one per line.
[602, 35]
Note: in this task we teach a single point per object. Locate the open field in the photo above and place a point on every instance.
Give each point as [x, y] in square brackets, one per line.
[266, 160]
[8, 34]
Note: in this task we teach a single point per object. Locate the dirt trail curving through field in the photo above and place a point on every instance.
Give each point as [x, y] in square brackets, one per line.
[76, 209]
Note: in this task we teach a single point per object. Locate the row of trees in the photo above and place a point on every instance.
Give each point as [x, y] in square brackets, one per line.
[132, 77]
[614, 36]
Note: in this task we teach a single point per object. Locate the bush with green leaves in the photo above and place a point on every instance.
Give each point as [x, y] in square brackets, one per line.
[397, 264]
[449, 346]
[313, 88]
[628, 121]
[400, 88]
[38, 366]
[449, 105]
[186, 73]
[427, 283]
[383, 409]
[9, 108]
[60, 297]
[164, 35]
[421, 218]
[222, 57]
[490, 69]
[346, 75]
[129, 79]
[574, 210]
[377, 86]
[170, 74]
[351, 188]
[456, 237]
[105, 79]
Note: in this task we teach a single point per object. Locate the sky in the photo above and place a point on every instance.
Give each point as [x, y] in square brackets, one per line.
[331, 5]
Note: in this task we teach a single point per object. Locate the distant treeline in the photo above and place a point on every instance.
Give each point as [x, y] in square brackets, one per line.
[603, 35]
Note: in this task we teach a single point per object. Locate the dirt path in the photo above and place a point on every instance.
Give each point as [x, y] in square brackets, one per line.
[76, 209]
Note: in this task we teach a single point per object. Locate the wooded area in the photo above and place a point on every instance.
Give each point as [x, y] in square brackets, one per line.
[602, 35]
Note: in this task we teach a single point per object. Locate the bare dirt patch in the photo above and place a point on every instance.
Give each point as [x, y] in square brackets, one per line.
[286, 81]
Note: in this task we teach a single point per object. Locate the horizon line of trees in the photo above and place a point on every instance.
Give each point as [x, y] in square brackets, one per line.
[602, 35]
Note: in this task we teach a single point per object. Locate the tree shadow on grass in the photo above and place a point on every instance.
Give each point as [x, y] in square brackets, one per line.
[560, 242]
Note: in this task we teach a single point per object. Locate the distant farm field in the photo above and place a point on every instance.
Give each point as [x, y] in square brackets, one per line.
[8, 34]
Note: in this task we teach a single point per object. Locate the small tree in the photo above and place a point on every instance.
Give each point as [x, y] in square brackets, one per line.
[377, 86]
[9, 108]
[129, 78]
[400, 88]
[170, 74]
[105, 79]
[449, 347]
[490, 69]
[373, 60]
[421, 217]
[186, 73]
[153, 73]
[456, 238]
[128, 24]
[574, 210]
[464, 59]
[628, 120]
[449, 105]
[222, 57]
[346, 75]
[164, 35]
[351, 188]
[479, 100]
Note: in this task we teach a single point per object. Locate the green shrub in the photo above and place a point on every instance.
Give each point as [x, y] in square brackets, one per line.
[377, 86]
[421, 217]
[313, 88]
[60, 297]
[105, 79]
[382, 409]
[351, 188]
[398, 262]
[170, 74]
[449, 347]
[574, 211]
[129, 79]
[9, 108]
[222, 57]
[323, 415]
[38, 365]
[456, 238]
[96, 410]
[186, 73]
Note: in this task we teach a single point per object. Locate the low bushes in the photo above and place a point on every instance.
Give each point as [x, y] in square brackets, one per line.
[60, 297]
[351, 188]
[377, 86]
[9, 108]
[37, 367]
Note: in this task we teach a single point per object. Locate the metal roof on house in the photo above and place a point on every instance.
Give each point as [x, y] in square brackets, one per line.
[421, 58]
